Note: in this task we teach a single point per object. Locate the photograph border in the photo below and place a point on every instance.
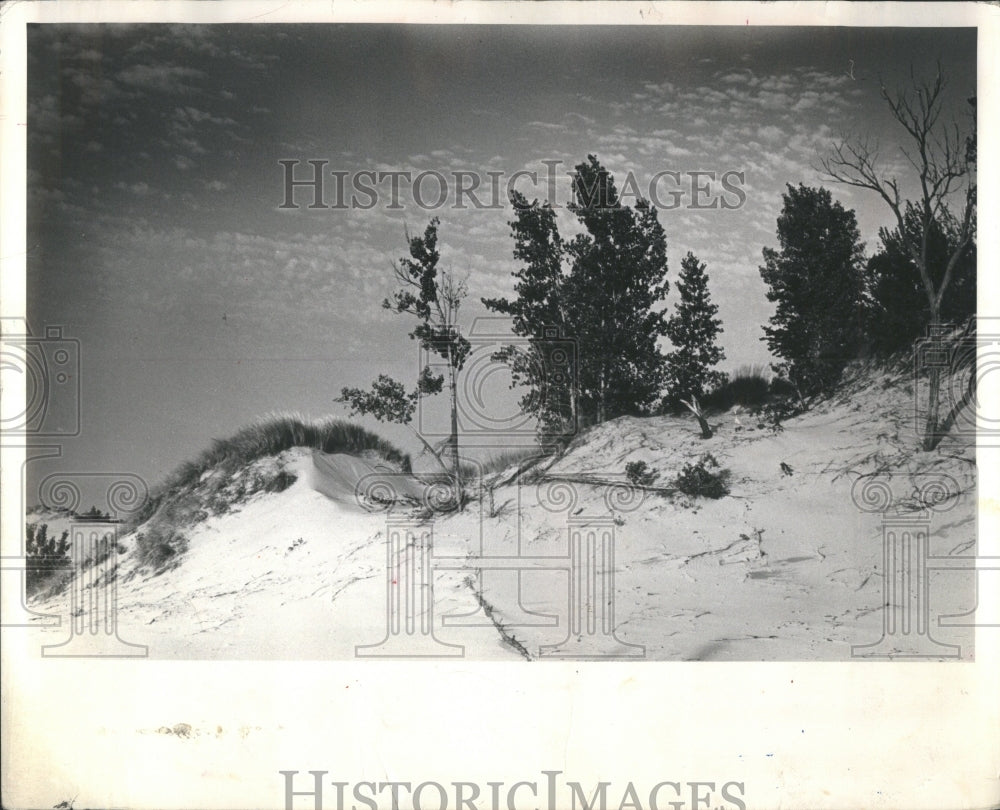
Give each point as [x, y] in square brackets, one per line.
[794, 735]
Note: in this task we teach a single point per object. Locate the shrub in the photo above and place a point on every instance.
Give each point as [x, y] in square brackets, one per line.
[468, 471]
[783, 387]
[750, 385]
[638, 474]
[704, 479]
[772, 414]
[747, 386]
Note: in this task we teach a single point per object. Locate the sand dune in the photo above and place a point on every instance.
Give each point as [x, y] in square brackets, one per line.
[787, 566]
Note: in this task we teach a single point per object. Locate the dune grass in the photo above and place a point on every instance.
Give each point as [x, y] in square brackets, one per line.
[159, 548]
[279, 432]
[269, 436]
[748, 386]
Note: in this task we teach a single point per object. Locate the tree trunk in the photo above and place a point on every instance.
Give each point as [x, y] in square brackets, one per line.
[430, 449]
[573, 394]
[695, 408]
[931, 437]
[456, 468]
[600, 396]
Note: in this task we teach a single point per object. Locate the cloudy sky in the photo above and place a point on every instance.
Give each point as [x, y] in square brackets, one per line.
[156, 234]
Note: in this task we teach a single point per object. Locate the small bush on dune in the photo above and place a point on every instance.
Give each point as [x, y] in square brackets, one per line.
[748, 386]
[783, 388]
[772, 414]
[638, 473]
[704, 479]
[468, 470]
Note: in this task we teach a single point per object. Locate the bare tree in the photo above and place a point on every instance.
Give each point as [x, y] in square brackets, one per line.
[699, 414]
[944, 163]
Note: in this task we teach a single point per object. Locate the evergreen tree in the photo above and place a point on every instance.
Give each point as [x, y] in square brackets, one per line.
[599, 291]
[45, 556]
[544, 361]
[817, 283]
[694, 331]
[618, 276]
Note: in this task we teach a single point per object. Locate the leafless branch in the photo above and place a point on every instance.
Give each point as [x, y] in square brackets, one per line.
[936, 153]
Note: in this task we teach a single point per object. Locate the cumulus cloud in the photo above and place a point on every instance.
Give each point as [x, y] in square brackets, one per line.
[162, 78]
[46, 117]
[139, 189]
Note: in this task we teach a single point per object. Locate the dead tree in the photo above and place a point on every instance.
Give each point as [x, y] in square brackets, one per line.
[699, 414]
[944, 163]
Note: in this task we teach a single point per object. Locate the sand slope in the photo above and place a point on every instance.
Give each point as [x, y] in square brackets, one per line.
[786, 567]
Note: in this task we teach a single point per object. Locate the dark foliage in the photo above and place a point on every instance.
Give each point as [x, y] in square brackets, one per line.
[600, 292]
[545, 360]
[900, 308]
[694, 330]
[637, 472]
[47, 557]
[816, 281]
[747, 386]
[704, 479]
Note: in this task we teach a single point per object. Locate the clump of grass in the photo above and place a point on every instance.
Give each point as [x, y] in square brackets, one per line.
[270, 436]
[705, 479]
[275, 434]
[467, 469]
[159, 548]
[281, 481]
[749, 386]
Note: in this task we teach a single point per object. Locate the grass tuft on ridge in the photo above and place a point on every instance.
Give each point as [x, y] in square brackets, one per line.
[269, 436]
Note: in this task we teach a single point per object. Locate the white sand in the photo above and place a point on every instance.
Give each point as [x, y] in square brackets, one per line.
[786, 567]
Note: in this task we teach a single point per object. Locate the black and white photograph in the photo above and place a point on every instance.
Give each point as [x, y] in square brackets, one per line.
[371, 344]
